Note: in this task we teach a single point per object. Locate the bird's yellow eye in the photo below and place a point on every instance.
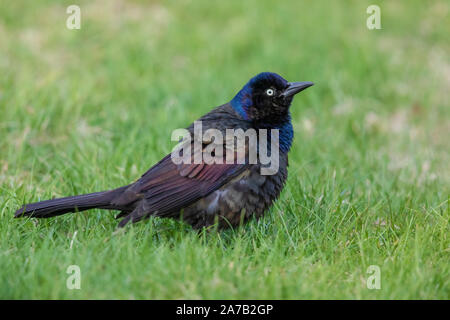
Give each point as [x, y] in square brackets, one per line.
[269, 92]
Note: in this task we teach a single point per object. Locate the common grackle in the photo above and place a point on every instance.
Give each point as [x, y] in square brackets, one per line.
[200, 193]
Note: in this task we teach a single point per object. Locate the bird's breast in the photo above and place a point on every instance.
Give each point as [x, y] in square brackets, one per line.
[248, 195]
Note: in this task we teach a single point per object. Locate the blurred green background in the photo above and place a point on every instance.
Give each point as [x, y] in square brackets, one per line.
[91, 109]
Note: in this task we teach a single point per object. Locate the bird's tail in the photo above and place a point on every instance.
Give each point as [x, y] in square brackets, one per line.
[56, 207]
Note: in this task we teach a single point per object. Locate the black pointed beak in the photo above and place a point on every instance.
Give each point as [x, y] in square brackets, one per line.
[295, 87]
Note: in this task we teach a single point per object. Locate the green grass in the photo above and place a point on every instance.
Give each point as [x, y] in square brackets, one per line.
[91, 109]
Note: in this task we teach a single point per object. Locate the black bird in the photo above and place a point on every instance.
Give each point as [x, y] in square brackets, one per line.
[204, 194]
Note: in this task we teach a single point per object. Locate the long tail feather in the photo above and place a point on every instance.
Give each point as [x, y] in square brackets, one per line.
[56, 207]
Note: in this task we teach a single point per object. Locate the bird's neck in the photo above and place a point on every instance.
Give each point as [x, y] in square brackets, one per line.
[286, 136]
[242, 102]
[285, 130]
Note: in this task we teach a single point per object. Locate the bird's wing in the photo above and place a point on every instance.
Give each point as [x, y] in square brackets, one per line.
[167, 187]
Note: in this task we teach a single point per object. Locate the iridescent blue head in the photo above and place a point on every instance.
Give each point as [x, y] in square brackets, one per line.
[265, 100]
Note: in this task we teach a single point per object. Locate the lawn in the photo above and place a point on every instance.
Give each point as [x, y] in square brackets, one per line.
[91, 109]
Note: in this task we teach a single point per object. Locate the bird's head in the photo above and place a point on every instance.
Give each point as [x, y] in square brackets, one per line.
[267, 97]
